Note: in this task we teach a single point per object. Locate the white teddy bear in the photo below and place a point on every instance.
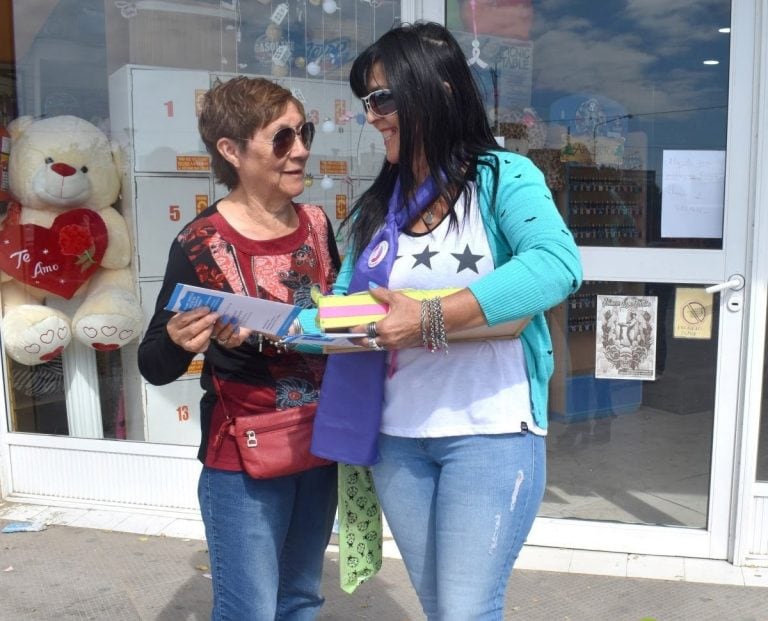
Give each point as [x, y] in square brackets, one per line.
[63, 239]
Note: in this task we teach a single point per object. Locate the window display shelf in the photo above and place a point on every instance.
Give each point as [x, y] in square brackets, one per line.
[166, 183]
[606, 206]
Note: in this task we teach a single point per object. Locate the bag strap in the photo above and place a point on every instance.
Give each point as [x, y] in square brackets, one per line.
[320, 257]
[219, 394]
[228, 421]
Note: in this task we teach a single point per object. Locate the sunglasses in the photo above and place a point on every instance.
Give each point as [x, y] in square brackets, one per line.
[380, 102]
[282, 141]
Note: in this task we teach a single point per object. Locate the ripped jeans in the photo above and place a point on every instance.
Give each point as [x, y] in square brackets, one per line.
[460, 509]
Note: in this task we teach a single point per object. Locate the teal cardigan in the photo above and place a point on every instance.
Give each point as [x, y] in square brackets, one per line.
[536, 258]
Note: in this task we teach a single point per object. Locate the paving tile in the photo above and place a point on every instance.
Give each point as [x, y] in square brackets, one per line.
[21, 512]
[104, 520]
[540, 558]
[185, 529]
[60, 516]
[755, 576]
[655, 567]
[598, 563]
[143, 524]
[713, 572]
[389, 549]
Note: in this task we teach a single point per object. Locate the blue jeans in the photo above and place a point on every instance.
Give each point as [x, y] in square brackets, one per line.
[266, 542]
[460, 509]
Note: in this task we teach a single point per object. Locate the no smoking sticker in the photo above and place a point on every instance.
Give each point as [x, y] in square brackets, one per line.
[693, 313]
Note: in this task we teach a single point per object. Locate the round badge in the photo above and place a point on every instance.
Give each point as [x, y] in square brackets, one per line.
[378, 254]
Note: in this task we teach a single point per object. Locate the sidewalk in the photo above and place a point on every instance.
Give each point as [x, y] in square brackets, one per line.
[75, 572]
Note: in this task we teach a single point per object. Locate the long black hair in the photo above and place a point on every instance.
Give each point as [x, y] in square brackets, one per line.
[439, 109]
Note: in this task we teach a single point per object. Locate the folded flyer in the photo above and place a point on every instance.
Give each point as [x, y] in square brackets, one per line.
[331, 342]
[265, 316]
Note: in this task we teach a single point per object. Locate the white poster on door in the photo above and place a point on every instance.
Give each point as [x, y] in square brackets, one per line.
[692, 194]
[625, 339]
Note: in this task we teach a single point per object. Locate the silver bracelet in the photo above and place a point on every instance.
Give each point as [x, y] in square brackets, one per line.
[425, 323]
[437, 326]
[433, 334]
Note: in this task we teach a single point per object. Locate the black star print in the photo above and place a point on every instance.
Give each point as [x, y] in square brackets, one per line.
[424, 258]
[467, 260]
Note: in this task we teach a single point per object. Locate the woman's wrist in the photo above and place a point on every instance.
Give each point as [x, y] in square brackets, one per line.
[433, 334]
[462, 311]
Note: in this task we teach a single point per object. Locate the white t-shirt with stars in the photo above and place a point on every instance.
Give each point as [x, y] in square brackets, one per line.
[479, 387]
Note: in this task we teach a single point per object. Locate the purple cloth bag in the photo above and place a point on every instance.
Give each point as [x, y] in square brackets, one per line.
[352, 394]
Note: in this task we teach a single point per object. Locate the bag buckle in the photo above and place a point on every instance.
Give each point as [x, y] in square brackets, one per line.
[250, 439]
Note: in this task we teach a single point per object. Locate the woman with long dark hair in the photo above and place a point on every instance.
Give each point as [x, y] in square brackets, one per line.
[455, 430]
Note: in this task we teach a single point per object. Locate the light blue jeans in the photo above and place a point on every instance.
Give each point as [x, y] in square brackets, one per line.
[460, 509]
[266, 542]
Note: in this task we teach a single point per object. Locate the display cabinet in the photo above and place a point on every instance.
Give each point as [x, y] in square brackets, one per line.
[606, 206]
[166, 182]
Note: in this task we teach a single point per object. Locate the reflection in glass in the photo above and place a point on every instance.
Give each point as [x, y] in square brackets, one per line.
[629, 450]
[608, 96]
[37, 397]
[63, 61]
[762, 449]
[38, 400]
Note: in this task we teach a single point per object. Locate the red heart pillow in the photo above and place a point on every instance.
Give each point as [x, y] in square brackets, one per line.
[58, 259]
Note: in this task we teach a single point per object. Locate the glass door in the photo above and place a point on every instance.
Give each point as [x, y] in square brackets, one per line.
[642, 136]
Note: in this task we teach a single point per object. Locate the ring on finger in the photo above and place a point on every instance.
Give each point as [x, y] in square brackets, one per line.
[375, 345]
[371, 331]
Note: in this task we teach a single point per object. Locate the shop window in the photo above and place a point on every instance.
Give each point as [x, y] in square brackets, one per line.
[134, 71]
[627, 120]
[762, 449]
[632, 404]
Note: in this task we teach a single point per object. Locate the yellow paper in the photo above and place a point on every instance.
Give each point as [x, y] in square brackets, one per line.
[377, 310]
[357, 318]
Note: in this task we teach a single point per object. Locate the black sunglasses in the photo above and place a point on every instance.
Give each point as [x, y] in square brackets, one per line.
[380, 102]
[282, 141]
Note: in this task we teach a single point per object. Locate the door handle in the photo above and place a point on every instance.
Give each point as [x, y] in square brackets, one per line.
[735, 283]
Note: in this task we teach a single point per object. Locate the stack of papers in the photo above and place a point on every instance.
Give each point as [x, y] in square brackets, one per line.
[274, 319]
